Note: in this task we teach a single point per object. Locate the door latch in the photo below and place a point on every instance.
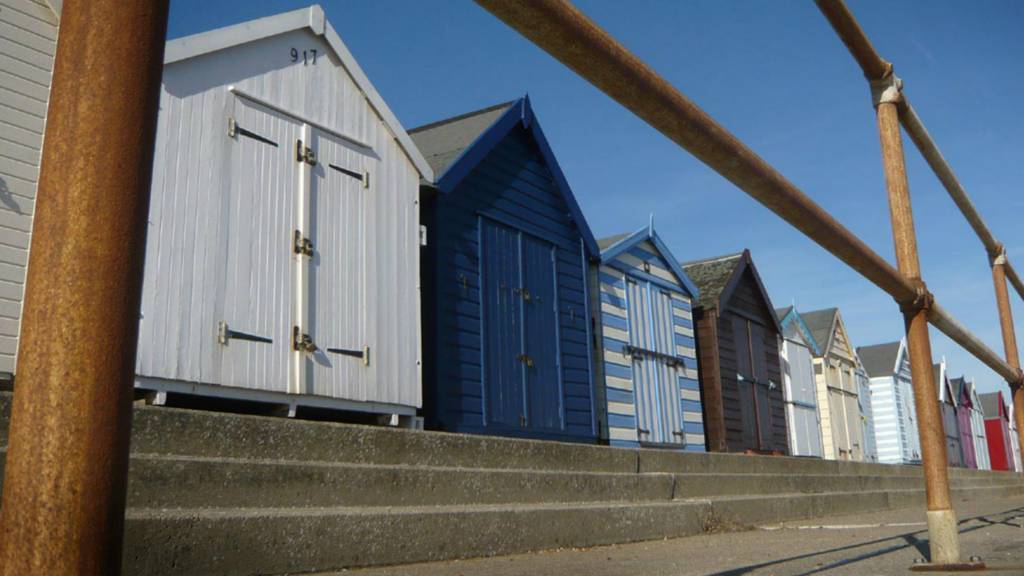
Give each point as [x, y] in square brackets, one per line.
[304, 153]
[302, 342]
[526, 359]
[523, 292]
[302, 245]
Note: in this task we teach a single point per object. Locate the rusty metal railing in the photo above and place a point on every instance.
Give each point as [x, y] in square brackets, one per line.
[567, 34]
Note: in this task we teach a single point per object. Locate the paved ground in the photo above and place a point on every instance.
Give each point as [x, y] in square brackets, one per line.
[878, 543]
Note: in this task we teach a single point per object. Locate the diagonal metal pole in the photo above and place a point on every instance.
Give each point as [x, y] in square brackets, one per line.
[943, 537]
[67, 461]
[1009, 337]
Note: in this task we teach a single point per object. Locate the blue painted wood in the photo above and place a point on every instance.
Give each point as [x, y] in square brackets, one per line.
[511, 190]
[540, 306]
[502, 324]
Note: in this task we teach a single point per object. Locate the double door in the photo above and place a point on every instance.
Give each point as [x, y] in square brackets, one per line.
[293, 305]
[754, 386]
[659, 409]
[522, 384]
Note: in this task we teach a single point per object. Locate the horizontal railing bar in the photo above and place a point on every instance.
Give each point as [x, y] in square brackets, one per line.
[572, 38]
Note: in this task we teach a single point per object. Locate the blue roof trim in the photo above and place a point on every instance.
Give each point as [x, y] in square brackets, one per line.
[795, 316]
[520, 113]
[648, 233]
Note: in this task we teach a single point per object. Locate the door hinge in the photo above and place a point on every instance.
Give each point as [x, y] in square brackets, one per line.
[423, 235]
[232, 127]
[226, 334]
[525, 359]
[525, 293]
[304, 153]
[302, 245]
[302, 342]
[364, 354]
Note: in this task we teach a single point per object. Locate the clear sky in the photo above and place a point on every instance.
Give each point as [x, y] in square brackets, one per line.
[774, 74]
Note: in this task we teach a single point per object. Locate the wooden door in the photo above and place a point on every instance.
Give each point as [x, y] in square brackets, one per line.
[540, 337]
[335, 282]
[259, 292]
[501, 302]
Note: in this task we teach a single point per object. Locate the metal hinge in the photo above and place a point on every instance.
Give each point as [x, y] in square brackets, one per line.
[522, 292]
[225, 334]
[232, 127]
[302, 245]
[364, 353]
[302, 342]
[304, 153]
[423, 235]
[525, 359]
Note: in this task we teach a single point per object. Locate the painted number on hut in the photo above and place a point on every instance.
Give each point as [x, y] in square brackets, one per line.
[308, 56]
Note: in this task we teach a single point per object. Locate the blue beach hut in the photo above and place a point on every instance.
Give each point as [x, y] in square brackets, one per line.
[646, 364]
[506, 317]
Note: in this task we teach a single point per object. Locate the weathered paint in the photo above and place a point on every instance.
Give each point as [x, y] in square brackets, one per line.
[978, 429]
[867, 417]
[28, 33]
[646, 302]
[997, 432]
[950, 425]
[498, 232]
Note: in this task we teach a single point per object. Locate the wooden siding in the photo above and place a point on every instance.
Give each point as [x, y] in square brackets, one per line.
[620, 382]
[802, 419]
[747, 303]
[513, 186]
[842, 434]
[184, 288]
[28, 34]
[895, 417]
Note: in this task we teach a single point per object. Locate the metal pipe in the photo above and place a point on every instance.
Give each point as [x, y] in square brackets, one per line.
[66, 468]
[572, 38]
[849, 31]
[1009, 338]
[1011, 275]
[949, 326]
[876, 68]
[943, 538]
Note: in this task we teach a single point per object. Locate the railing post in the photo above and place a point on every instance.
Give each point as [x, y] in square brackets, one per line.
[67, 460]
[943, 538]
[1009, 337]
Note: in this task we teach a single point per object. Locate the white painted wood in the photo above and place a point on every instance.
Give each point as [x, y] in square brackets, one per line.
[27, 33]
[224, 211]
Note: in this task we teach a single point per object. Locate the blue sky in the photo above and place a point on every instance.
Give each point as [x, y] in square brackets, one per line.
[776, 76]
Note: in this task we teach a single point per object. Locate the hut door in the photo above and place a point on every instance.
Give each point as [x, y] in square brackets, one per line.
[541, 343]
[655, 379]
[255, 328]
[334, 248]
[502, 304]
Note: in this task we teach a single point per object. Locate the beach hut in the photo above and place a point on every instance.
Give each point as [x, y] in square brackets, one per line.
[867, 417]
[506, 308]
[738, 354]
[282, 254]
[978, 429]
[28, 36]
[892, 402]
[646, 361]
[997, 431]
[964, 409]
[1018, 466]
[797, 357]
[947, 406]
[835, 373]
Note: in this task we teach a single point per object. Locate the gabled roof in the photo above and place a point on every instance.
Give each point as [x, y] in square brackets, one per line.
[992, 405]
[880, 359]
[718, 277]
[613, 246]
[942, 383]
[793, 321]
[313, 19]
[822, 324]
[457, 145]
[960, 389]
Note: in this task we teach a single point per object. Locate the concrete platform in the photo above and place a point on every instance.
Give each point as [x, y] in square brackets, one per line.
[852, 545]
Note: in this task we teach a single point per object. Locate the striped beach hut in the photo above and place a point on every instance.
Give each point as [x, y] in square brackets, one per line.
[646, 360]
[892, 401]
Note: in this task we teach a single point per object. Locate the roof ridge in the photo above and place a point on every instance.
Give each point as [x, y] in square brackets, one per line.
[462, 116]
[712, 259]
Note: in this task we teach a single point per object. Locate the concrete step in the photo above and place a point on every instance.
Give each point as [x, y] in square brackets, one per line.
[245, 541]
